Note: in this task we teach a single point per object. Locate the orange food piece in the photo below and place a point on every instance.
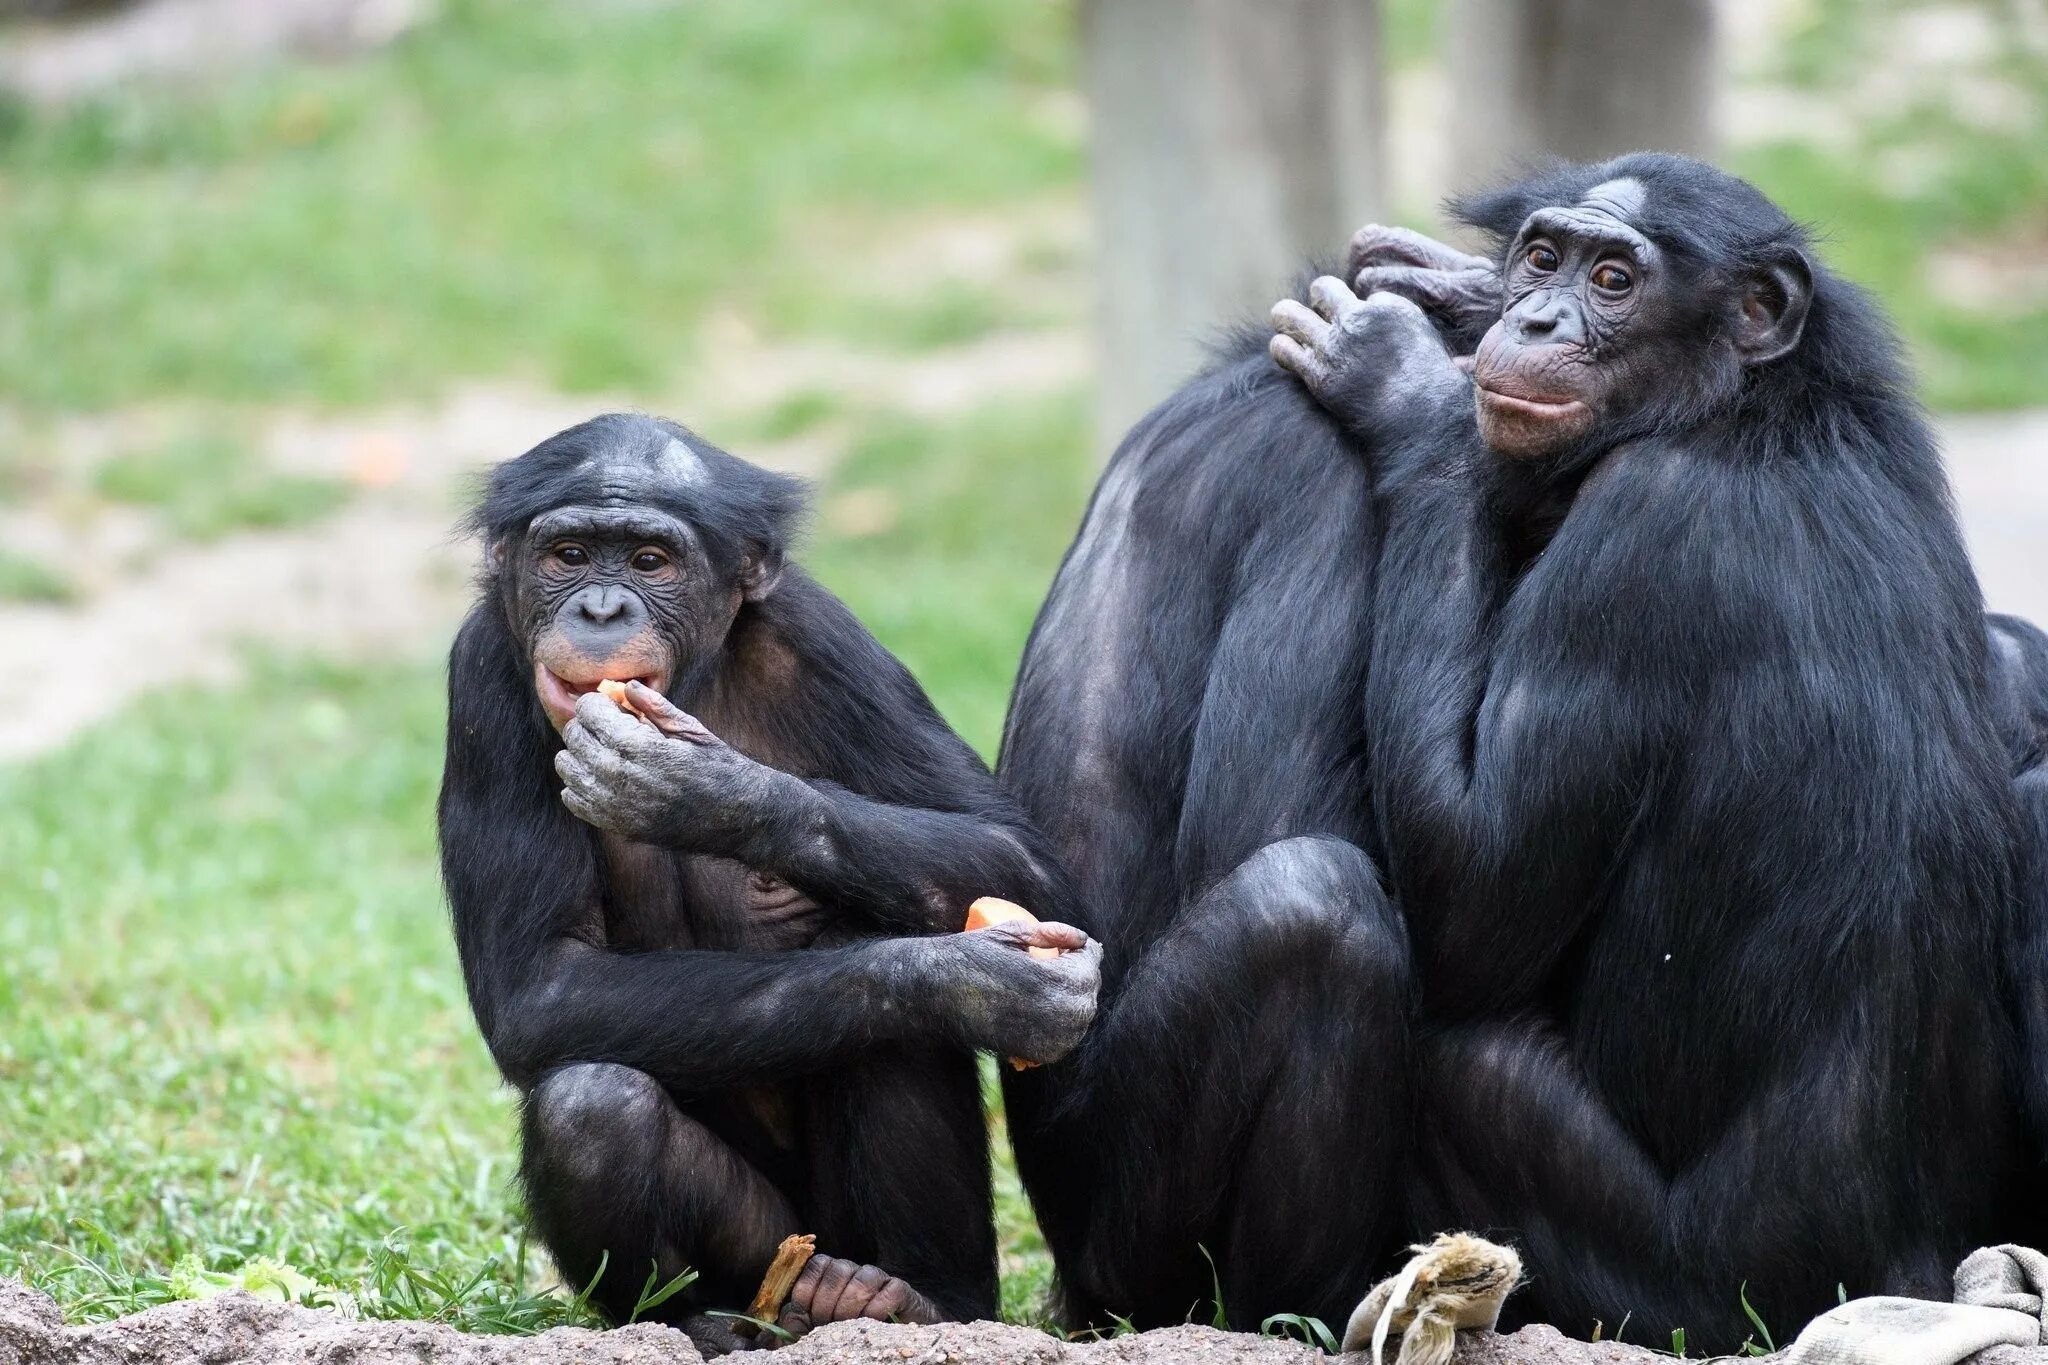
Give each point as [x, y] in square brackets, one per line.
[993, 910]
[617, 692]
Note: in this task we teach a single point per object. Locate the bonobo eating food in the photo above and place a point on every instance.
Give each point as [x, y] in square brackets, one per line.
[712, 936]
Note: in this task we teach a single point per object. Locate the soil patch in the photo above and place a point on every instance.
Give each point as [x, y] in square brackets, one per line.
[238, 1327]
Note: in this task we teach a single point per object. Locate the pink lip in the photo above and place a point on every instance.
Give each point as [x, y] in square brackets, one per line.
[558, 695]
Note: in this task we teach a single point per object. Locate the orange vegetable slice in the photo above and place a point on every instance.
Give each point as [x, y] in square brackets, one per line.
[617, 692]
[992, 910]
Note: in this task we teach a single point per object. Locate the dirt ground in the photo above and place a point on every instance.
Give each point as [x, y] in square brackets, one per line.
[237, 1327]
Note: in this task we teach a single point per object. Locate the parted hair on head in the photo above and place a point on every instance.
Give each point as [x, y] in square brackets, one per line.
[630, 459]
[1700, 212]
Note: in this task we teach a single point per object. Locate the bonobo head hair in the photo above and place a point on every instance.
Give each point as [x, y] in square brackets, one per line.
[630, 459]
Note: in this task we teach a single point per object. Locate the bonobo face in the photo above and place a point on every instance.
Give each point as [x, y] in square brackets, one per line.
[1582, 289]
[1606, 331]
[617, 592]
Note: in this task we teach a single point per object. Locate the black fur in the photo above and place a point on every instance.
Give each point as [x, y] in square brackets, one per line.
[1695, 789]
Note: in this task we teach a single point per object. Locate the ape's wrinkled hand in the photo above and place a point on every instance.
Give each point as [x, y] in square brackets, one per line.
[1460, 293]
[1001, 998]
[1375, 364]
[672, 783]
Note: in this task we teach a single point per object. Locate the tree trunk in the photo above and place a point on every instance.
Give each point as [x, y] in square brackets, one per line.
[1581, 79]
[1233, 140]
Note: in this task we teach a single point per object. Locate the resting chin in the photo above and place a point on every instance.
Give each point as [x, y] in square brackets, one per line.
[1530, 429]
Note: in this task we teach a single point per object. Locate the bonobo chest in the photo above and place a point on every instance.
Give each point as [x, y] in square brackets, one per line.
[654, 898]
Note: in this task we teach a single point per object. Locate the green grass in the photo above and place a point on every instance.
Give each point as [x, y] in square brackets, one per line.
[551, 189]
[207, 486]
[1977, 186]
[23, 579]
[232, 1024]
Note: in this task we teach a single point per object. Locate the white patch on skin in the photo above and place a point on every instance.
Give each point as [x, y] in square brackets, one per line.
[680, 463]
[1622, 197]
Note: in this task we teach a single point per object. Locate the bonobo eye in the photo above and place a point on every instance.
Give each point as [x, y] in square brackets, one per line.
[1612, 279]
[1542, 257]
[574, 556]
[650, 561]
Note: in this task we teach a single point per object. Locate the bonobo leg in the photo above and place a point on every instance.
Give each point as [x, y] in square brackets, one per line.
[899, 1192]
[1245, 1094]
[617, 1176]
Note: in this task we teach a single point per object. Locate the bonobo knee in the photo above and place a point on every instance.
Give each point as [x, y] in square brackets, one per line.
[1315, 899]
[596, 1115]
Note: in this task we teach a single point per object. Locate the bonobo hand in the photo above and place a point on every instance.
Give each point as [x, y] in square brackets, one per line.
[1375, 364]
[1460, 293]
[989, 992]
[671, 782]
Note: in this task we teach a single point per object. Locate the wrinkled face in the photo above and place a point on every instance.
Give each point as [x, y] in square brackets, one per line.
[1586, 296]
[614, 592]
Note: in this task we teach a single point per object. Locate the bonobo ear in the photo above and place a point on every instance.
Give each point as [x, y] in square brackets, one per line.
[760, 571]
[494, 556]
[1774, 302]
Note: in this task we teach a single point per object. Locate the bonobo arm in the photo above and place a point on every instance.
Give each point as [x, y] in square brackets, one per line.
[1527, 1141]
[896, 819]
[1510, 729]
[523, 884]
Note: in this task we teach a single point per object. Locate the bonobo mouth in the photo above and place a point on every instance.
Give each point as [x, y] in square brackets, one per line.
[1522, 422]
[558, 694]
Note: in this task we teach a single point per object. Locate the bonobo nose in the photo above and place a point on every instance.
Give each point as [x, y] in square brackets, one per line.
[602, 615]
[601, 606]
[1546, 320]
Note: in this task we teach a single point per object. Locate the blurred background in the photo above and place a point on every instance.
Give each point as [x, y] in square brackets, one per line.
[278, 277]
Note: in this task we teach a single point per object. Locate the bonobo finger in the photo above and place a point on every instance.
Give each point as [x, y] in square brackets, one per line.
[833, 1278]
[665, 715]
[1053, 934]
[1019, 934]
[602, 719]
[1295, 358]
[595, 754]
[1423, 286]
[867, 1282]
[582, 808]
[1330, 296]
[1377, 244]
[1292, 319]
[895, 1299]
[1390, 314]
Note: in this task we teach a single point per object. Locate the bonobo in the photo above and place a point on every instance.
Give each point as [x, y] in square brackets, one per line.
[1708, 798]
[709, 946]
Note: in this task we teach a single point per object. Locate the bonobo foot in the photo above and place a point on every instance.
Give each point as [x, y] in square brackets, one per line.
[834, 1290]
[1375, 364]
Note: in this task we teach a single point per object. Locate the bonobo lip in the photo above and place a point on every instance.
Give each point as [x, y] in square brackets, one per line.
[558, 694]
[1537, 407]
